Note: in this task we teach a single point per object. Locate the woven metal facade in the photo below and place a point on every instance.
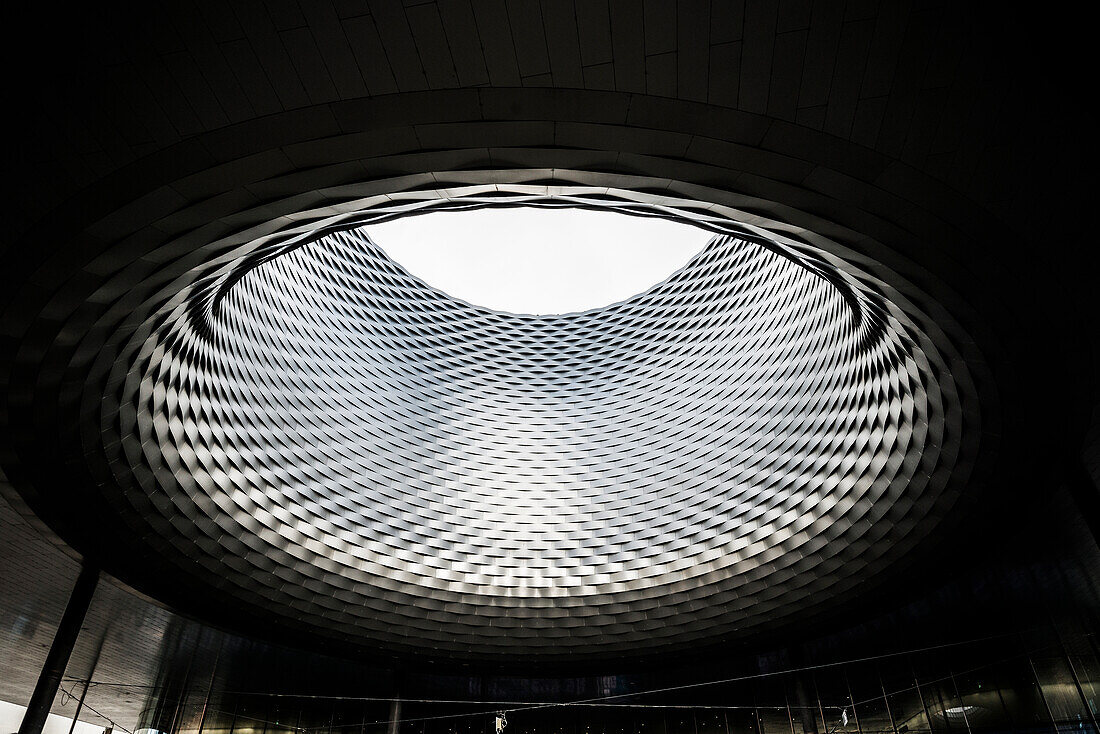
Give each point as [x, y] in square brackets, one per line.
[326, 436]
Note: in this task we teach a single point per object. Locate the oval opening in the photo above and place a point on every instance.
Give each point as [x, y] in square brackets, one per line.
[537, 260]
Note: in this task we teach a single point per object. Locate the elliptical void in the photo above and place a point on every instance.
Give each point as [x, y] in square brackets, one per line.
[387, 464]
[533, 260]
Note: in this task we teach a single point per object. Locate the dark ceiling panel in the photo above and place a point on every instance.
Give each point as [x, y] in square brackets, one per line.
[787, 63]
[848, 68]
[628, 45]
[692, 49]
[794, 15]
[594, 32]
[821, 51]
[397, 40]
[891, 25]
[257, 89]
[431, 42]
[659, 20]
[724, 74]
[212, 65]
[903, 99]
[301, 45]
[272, 54]
[370, 56]
[727, 21]
[462, 37]
[563, 44]
[756, 55]
[335, 50]
[528, 37]
[496, 40]
[660, 75]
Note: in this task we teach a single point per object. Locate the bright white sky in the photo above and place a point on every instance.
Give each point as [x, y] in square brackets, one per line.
[11, 715]
[539, 261]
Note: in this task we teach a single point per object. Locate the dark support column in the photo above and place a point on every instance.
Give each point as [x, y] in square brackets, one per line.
[805, 708]
[210, 688]
[88, 680]
[397, 686]
[79, 706]
[58, 658]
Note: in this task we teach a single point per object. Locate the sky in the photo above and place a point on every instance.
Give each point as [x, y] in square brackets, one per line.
[536, 260]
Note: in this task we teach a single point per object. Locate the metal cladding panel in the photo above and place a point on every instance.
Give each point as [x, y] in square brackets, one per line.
[324, 435]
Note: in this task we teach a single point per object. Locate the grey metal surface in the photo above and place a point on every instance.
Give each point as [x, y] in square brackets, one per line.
[334, 440]
[121, 644]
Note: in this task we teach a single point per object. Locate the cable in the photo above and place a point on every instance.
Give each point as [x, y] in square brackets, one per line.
[599, 701]
[700, 684]
[97, 713]
[602, 701]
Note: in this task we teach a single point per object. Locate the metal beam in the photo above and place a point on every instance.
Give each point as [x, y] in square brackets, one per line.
[45, 690]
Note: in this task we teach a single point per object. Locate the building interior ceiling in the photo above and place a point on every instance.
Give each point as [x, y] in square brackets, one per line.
[916, 172]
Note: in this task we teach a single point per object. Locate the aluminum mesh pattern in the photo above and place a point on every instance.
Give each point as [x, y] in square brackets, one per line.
[334, 439]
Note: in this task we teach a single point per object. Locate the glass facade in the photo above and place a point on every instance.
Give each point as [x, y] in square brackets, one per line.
[1045, 680]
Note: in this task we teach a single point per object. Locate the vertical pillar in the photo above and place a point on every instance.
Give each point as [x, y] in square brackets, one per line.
[79, 706]
[1078, 686]
[886, 700]
[805, 709]
[962, 703]
[920, 695]
[1043, 695]
[45, 690]
[852, 702]
[209, 688]
[88, 680]
[395, 717]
